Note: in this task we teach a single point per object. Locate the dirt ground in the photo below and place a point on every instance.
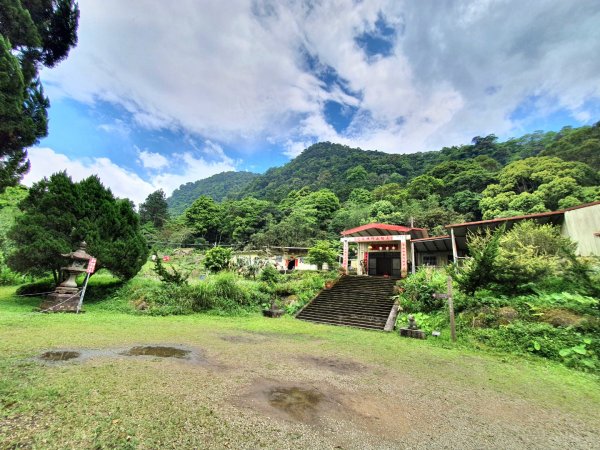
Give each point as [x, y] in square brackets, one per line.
[243, 389]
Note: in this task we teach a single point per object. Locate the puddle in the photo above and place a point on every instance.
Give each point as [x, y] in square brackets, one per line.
[335, 365]
[60, 355]
[300, 404]
[158, 351]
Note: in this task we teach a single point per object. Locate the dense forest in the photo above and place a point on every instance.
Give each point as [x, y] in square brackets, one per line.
[217, 187]
[331, 187]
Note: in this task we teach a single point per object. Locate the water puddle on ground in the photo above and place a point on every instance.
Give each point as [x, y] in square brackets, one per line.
[300, 404]
[158, 351]
[59, 355]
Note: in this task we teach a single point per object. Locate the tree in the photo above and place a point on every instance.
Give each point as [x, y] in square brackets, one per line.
[549, 179]
[58, 214]
[154, 209]
[32, 33]
[322, 253]
[204, 216]
[218, 259]
[243, 218]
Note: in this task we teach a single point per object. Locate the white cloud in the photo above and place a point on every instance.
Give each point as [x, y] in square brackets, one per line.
[150, 160]
[234, 72]
[124, 183]
[118, 127]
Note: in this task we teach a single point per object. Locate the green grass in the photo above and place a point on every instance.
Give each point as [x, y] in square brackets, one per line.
[121, 403]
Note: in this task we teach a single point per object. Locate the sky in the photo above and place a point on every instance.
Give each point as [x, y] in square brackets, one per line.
[157, 94]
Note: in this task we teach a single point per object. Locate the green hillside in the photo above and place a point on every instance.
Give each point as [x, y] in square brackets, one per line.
[341, 168]
[218, 187]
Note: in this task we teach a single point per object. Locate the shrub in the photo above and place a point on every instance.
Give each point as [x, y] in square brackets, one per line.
[217, 259]
[323, 252]
[543, 340]
[480, 270]
[166, 276]
[417, 290]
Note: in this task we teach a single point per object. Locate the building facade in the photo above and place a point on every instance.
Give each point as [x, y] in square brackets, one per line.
[380, 249]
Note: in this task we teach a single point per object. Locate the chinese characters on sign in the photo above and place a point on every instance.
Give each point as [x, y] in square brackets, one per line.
[91, 267]
[403, 259]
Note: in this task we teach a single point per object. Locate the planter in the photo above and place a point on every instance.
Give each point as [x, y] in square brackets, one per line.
[273, 313]
[329, 284]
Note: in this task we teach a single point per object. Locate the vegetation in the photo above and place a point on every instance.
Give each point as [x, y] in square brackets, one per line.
[331, 187]
[522, 291]
[154, 209]
[58, 214]
[218, 187]
[323, 252]
[218, 259]
[32, 34]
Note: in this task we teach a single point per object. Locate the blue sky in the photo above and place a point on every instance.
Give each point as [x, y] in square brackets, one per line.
[155, 96]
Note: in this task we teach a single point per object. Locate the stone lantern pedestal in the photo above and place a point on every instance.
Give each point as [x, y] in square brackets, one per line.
[65, 297]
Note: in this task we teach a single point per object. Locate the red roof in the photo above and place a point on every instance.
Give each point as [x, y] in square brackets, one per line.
[380, 226]
[528, 216]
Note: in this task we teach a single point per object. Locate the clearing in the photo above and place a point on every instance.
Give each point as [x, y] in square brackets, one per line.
[109, 380]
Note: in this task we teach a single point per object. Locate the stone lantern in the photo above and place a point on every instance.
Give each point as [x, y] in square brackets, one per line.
[65, 297]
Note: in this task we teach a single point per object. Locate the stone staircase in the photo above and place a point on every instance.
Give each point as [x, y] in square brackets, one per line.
[356, 301]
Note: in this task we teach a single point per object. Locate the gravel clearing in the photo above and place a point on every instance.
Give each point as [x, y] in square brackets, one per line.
[247, 389]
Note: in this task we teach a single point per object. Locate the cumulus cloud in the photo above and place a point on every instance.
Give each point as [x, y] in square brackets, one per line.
[167, 174]
[150, 160]
[238, 71]
[122, 182]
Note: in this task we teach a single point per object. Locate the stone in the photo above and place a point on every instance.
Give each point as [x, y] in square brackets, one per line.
[415, 334]
[65, 297]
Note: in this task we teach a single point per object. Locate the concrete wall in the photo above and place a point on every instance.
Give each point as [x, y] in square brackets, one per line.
[441, 258]
[580, 225]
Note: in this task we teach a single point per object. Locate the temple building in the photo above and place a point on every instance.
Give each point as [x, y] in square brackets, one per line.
[381, 249]
[396, 250]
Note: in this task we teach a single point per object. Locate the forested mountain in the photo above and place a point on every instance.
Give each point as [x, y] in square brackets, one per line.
[342, 169]
[218, 187]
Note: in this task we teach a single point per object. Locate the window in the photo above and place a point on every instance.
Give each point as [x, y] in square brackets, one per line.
[429, 260]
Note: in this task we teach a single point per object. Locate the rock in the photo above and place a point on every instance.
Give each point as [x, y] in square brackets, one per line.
[559, 317]
[141, 305]
[506, 315]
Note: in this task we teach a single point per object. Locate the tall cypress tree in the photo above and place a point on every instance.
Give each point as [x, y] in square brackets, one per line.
[58, 214]
[33, 33]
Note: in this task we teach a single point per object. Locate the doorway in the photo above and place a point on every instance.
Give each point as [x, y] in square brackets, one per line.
[384, 263]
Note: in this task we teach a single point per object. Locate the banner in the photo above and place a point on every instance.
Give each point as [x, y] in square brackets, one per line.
[91, 267]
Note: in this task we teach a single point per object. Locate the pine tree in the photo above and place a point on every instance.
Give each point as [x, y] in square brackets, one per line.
[58, 214]
[155, 209]
[32, 33]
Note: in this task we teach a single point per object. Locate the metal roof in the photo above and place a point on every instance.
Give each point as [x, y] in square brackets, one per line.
[436, 244]
[553, 217]
[384, 229]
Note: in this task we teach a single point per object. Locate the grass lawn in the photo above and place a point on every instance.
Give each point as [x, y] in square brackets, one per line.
[251, 382]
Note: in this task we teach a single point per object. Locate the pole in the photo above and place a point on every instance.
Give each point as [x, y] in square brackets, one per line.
[87, 278]
[451, 311]
[454, 249]
[412, 257]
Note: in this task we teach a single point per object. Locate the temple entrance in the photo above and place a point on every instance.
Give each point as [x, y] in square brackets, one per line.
[384, 263]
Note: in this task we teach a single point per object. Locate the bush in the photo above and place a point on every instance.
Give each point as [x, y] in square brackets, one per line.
[217, 259]
[417, 290]
[38, 287]
[222, 293]
[323, 252]
[541, 339]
